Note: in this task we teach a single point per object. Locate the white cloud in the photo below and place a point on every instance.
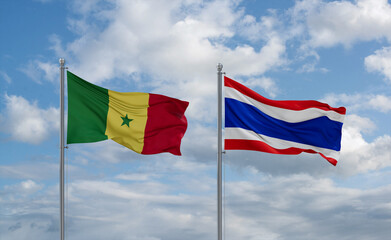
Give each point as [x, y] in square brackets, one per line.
[267, 84]
[5, 76]
[301, 207]
[24, 188]
[38, 71]
[178, 46]
[139, 38]
[26, 122]
[102, 152]
[319, 23]
[359, 102]
[135, 176]
[295, 207]
[344, 22]
[264, 29]
[34, 171]
[311, 67]
[381, 103]
[244, 60]
[358, 155]
[380, 62]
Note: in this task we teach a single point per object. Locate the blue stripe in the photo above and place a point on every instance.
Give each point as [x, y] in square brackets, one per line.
[319, 132]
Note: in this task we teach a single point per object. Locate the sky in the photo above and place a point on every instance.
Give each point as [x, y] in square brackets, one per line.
[338, 52]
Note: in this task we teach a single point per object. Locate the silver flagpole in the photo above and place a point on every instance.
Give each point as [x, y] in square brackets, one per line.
[62, 217]
[219, 154]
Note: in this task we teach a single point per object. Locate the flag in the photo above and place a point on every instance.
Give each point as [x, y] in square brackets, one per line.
[144, 122]
[253, 122]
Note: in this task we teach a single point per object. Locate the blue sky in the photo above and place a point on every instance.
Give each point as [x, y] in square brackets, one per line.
[338, 52]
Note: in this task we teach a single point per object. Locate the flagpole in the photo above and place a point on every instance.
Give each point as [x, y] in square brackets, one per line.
[219, 154]
[62, 217]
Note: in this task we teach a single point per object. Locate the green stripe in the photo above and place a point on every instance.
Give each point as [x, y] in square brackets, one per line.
[88, 105]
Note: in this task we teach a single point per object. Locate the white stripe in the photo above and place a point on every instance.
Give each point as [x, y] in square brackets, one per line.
[286, 115]
[242, 134]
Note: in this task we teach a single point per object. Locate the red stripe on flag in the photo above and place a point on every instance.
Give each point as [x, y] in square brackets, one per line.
[254, 145]
[166, 125]
[288, 104]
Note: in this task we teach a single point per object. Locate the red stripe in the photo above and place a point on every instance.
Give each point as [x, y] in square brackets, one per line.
[287, 104]
[166, 125]
[254, 145]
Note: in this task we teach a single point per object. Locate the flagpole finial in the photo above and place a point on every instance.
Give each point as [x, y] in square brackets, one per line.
[219, 67]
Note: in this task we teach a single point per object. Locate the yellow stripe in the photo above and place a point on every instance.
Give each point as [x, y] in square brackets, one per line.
[135, 106]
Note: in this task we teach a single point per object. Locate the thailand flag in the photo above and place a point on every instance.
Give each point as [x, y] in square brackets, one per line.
[253, 122]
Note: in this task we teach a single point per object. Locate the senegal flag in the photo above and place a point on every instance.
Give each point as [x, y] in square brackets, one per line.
[144, 122]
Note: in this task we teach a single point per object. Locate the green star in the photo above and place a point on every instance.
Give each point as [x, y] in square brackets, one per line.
[126, 120]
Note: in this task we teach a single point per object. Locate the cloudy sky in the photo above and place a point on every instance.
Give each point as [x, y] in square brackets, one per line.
[338, 52]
